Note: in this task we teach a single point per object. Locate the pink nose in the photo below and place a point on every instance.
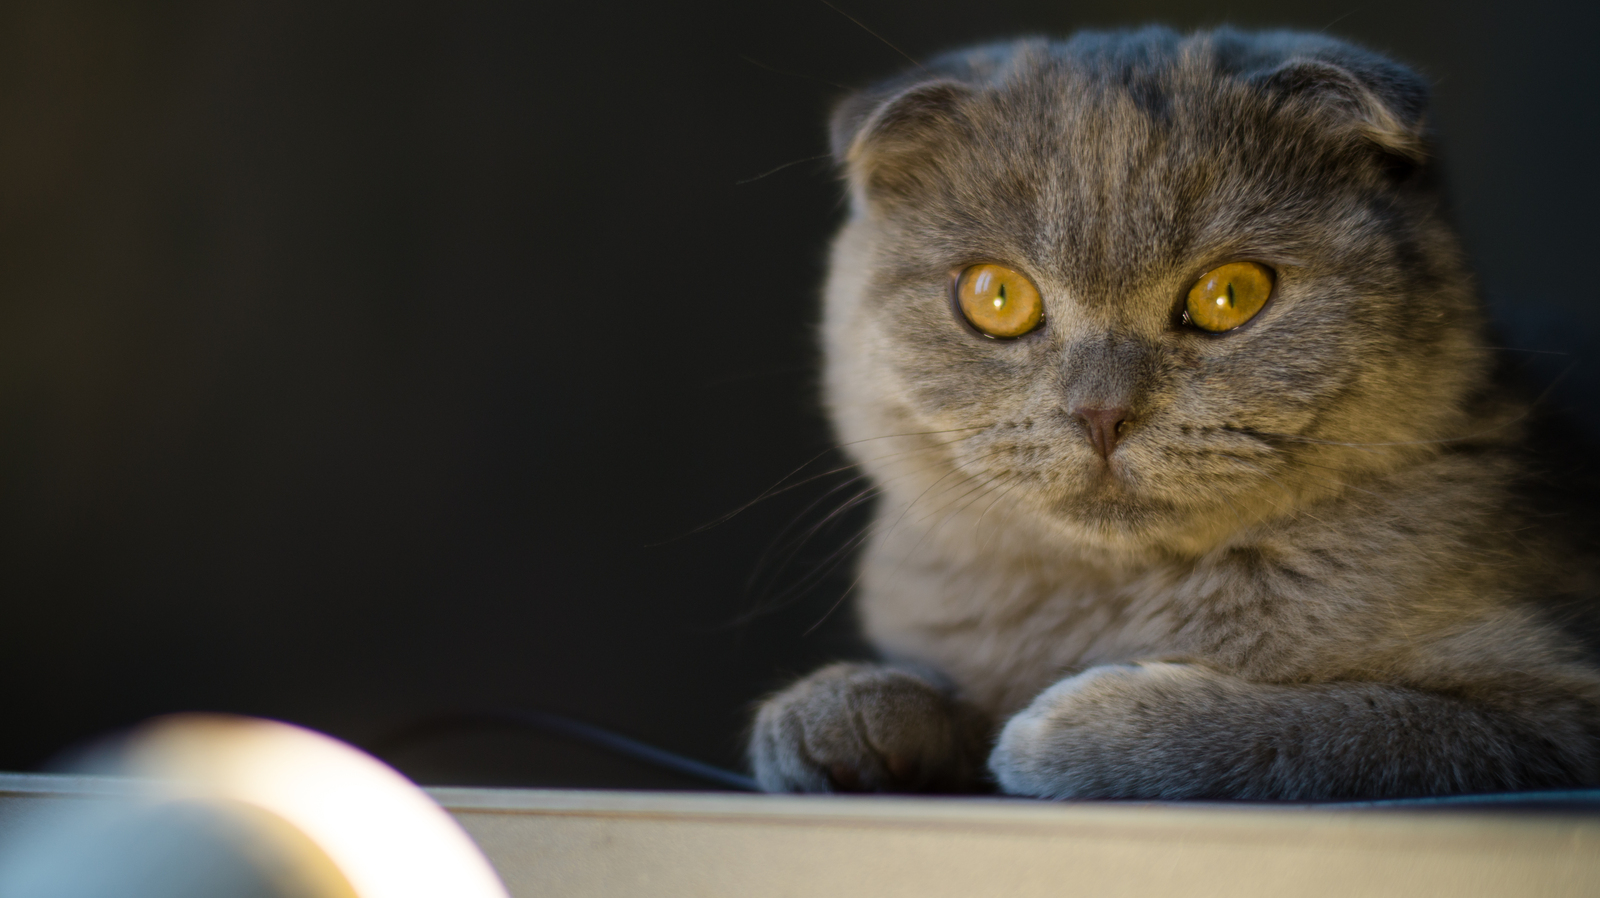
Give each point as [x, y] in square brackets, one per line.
[1104, 426]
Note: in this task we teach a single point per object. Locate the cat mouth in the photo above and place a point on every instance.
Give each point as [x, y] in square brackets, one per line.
[1111, 469]
[1108, 481]
[1112, 490]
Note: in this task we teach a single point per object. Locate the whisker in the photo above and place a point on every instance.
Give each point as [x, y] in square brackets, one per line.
[813, 578]
[806, 582]
[916, 433]
[845, 467]
[1516, 419]
[843, 595]
[777, 71]
[874, 34]
[1529, 351]
[953, 470]
[872, 529]
[940, 510]
[779, 488]
[773, 171]
[935, 529]
[761, 560]
[988, 488]
[1291, 438]
[999, 495]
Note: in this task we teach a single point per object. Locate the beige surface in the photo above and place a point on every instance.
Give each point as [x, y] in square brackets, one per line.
[670, 844]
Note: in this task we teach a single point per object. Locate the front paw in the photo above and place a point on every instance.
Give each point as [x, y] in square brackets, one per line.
[1089, 736]
[860, 728]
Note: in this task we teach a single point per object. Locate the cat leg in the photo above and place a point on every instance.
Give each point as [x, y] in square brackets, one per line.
[1166, 731]
[861, 728]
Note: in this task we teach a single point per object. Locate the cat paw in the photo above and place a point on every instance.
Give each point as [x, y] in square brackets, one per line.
[1086, 736]
[860, 728]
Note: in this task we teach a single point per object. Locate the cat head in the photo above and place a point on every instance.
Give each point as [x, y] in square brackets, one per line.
[1153, 288]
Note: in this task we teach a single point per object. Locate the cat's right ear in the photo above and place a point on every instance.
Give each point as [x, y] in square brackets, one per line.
[887, 142]
[1382, 104]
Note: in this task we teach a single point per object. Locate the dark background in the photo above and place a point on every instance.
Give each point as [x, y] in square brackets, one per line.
[361, 361]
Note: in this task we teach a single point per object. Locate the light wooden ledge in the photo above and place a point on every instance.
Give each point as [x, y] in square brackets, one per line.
[615, 844]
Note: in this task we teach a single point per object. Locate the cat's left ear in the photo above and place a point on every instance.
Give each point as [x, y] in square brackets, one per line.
[1385, 107]
[885, 139]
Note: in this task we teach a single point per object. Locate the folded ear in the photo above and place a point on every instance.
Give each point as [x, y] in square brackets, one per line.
[1384, 106]
[887, 140]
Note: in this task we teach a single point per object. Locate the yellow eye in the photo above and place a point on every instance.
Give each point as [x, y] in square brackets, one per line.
[1228, 296]
[999, 301]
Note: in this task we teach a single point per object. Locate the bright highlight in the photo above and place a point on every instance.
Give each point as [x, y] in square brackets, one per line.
[383, 833]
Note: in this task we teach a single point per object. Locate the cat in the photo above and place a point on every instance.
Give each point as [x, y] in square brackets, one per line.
[1197, 475]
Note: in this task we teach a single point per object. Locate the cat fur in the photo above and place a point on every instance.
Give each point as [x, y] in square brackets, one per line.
[1321, 562]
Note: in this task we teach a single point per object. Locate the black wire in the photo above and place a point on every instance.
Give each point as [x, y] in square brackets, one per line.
[599, 737]
[1563, 799]
[567, 728]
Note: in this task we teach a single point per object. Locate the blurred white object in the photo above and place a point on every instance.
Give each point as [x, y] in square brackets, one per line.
[677, 845]
[237, 806]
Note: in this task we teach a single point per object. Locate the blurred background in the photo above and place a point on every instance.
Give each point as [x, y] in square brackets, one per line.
[362, 362]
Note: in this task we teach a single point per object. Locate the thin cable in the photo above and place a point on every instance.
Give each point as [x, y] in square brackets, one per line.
[574, 730]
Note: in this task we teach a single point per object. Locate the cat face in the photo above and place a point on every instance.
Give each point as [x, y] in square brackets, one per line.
[1108, 177]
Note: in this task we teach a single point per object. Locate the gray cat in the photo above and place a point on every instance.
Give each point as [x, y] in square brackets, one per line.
[1196, 475]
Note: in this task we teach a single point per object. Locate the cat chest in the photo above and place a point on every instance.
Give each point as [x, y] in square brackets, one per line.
[1003, 640]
